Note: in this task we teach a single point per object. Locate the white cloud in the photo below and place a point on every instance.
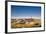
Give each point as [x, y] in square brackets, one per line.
[26, 17]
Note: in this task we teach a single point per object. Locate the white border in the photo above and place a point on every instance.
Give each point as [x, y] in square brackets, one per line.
[24, 29]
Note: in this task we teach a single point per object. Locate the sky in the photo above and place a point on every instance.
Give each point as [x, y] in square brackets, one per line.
[25, 11]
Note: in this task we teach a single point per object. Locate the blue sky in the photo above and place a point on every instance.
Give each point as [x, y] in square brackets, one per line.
[25, 11]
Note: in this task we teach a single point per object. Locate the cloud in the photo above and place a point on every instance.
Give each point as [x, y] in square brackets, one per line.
[26, 17]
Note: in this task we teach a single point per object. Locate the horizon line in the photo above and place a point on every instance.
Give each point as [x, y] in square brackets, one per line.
[25, 17]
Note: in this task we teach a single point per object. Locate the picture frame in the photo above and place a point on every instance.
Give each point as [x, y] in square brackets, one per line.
[23, 3]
